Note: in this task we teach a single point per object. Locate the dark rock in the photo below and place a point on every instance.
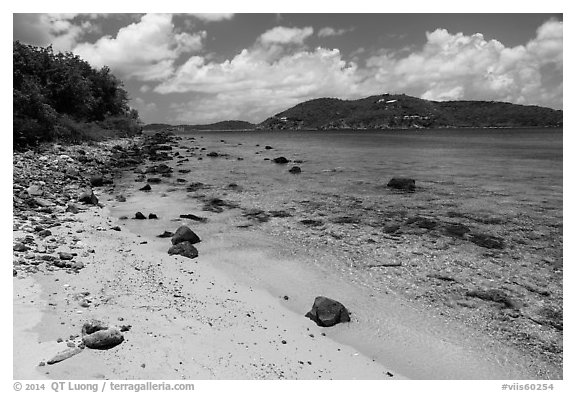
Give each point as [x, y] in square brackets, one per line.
[146, 188]
[139, 216]
[166, 234]
[152, 216]
[327, 312]
[116, 228]
[185, 249]
[44, 233]
[456, 229]
[401, 183]
[257, 215]
[88, 197]
[14, 272]
[97, 181]
[192, 187]
[65, 256]
[268, 147]
[486, 241]
[312, 223]
[391, 228]
[71, 208]
[20, 247]
[121, 198]
[185, 234]
[212, 154]
[154, 180]
[184, 170]
[193, 217]
[295, 169]
[279, 213]
[281, 160]
[493, 295]
[422, 222]
[99, 336]
[181, 180]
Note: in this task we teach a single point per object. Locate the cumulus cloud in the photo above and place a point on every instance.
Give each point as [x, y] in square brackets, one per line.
[331, 32]
[213, 17]
[59, 30]
[458, 66]
[145, 50]
[286, 35]
[253, 85]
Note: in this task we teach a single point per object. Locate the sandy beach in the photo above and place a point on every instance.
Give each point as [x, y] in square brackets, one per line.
[234, 312]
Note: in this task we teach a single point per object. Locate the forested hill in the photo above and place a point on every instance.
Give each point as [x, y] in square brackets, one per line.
[220, 126]
[402, 111]
[59, 96]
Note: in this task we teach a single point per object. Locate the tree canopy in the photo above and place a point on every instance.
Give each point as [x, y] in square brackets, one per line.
[60, 96]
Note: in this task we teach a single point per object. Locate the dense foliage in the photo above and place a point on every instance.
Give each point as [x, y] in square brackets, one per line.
[402, 111]
[58, 96]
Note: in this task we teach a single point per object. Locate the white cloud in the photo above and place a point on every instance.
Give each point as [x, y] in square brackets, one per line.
[144, 50]
[254, 84]
[214, 17]
[286, 35]
[57, 29]
[458, 66]
[331, 32]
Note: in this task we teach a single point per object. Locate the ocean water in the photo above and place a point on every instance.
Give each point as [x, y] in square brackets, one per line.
[500, 182]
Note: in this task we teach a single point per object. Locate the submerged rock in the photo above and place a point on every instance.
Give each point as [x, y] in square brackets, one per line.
[281, 160]
[185, 248]
[486, 241]
[402, 183]
[185, 234]
[327, 312]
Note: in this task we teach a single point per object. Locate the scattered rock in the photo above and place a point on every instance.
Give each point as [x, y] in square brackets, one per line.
[71, 208]
[185, 234]
[65, 256]
[493, 295]
[152, 216]
[66, 354]
[257, 215]
[96, 335]
[281, 160]
[268, 147]
[212, 154]
[401, 183]
[327, 312]
[295, 170]
[185, 249]
[88, 197]
[139, 216]
[20, 247]
[193, 217]
[166, 234]
[121, 198]
[486, 241]
[146, 188]
[154, 180]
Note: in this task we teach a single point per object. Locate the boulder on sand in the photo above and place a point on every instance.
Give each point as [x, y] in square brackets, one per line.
[327, 312]
[185, 248]
[88, 197]
[295, 169]
[185, 234]
[146, 188]
[98, 335]
[139, 216]
[402, 183]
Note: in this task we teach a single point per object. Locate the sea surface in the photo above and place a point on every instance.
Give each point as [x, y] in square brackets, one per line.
[329, 239]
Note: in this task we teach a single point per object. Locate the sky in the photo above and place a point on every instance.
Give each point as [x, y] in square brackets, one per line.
[204, 68]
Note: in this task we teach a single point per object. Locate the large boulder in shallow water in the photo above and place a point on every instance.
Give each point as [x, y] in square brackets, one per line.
[402, 183]
[185, 234]
[186, 249]
[281, 160]
[327, 312]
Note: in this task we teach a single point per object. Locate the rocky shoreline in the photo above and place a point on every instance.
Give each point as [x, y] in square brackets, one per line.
[55, 186]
